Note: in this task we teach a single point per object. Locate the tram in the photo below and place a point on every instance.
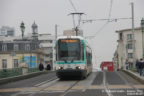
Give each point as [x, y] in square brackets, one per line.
[73, 57]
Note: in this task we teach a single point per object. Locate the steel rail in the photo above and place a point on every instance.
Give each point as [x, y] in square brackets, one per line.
[63, 94]
[37, 85]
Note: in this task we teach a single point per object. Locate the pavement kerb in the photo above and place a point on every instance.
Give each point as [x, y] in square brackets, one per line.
[21, 77]
[134, 75]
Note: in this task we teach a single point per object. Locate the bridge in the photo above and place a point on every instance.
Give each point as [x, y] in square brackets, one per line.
[99, 83]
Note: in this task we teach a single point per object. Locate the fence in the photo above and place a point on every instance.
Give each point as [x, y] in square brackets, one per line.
[9, 72]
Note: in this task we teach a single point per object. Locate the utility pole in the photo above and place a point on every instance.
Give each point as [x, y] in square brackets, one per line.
[56, 31]
[142, 28]
[133, 36]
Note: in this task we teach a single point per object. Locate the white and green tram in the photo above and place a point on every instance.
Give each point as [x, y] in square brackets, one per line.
[73, 57]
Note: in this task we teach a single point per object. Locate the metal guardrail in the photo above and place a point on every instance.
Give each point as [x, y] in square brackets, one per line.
[30, 70]
[9, 72]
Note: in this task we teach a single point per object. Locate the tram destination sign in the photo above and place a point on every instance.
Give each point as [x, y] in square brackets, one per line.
[69, 40]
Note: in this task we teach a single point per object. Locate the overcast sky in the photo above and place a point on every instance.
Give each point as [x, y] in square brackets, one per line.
[47, 13]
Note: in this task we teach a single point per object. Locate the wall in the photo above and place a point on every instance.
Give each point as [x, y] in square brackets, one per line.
[18, 56]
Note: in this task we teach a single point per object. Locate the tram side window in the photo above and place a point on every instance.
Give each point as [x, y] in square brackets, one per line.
[56, 55]
[88, 56]
[82, 52]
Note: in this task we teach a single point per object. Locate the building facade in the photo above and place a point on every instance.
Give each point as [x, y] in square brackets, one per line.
[115, 60]
[11, 53]
[47, 45]
[7, 31]
[11, 50]
[124, 52]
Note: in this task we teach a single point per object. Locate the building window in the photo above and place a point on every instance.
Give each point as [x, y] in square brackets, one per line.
[47, 41]
[120, 36]
[4, 47]
[130, 55]
[4, 63]
[50, 49]
[50, 41]
[15, 63]
[129, 36]
[46, 55]
[129, 46]
[27, 47]
[51, 62]
[16, 47]
[47, 62]
[51, 56]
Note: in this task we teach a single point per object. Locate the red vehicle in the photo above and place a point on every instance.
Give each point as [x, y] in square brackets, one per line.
[109, 66]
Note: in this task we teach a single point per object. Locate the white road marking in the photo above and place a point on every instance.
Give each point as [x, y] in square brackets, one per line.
[105, 85]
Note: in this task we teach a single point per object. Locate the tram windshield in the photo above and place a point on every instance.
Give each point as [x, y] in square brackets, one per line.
[69, 49]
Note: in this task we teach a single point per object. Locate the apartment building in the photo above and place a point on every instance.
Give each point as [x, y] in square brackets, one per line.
[7, 31]
[47, 45]
[12, 47]
[124, 52]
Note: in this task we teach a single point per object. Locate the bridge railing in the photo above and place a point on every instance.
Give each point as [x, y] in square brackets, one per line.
[30, 70]
[9, 72]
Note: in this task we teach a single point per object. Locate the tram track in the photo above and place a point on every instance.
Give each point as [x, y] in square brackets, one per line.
[51, 83]
[133, 89]
[124, 84]
[110, 86]
[107, 90]
[47, 81]
[54, 84]
[69, 89]
[37, 85]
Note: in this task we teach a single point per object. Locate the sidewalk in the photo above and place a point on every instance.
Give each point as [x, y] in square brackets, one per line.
[135, 75]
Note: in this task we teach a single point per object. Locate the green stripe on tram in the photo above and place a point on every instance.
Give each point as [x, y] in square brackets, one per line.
[83, 42]
[76, 62]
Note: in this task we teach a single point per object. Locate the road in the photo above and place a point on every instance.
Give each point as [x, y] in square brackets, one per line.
[96, 84]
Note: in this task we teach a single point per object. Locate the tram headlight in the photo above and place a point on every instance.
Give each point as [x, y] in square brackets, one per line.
[78, 67]
[60, 67]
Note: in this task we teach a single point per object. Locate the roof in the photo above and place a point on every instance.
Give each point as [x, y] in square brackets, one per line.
[137, 28]
[34, 24]
[44, 34]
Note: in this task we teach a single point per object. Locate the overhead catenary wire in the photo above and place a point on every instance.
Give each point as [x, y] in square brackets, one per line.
[101, 28]
[79, 14]
[107, 21]
[105, 24]
[111, 4]
[72, 4]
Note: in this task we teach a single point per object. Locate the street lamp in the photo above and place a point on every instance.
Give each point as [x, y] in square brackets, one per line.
[22, 30]
[142, 28]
